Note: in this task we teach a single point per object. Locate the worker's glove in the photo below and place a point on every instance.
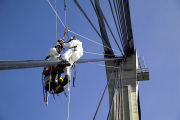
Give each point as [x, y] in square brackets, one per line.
[61, 41]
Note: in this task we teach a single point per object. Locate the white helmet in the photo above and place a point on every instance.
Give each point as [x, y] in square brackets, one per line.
[71, 38]
[74, 37]
[57, 44]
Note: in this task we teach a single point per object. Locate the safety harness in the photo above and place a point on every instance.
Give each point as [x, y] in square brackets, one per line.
[65, 33]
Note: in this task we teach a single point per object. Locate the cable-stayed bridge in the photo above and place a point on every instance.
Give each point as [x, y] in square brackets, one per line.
[127, 70]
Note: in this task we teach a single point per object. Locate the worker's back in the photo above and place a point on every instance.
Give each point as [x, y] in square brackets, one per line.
[78, 50]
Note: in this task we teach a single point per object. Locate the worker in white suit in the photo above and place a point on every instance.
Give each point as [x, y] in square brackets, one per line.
[72, 55]
[54, 53]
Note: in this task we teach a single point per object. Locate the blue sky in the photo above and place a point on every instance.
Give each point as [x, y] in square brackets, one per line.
[28, 31]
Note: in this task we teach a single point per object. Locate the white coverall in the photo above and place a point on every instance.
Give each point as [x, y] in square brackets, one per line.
[73, 54]
[53, 54]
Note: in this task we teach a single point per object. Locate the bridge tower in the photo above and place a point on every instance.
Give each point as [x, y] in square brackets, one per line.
[124, 100]
[123, 78]
[122, 75]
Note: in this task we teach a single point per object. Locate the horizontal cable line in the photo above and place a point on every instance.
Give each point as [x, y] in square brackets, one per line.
[99, 53]
[104, 65]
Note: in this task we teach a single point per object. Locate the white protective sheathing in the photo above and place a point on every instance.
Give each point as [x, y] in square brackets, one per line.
[53, 54]
[73, 54]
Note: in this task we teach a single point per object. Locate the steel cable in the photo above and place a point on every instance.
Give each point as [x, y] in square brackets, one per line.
[77, 33]
[103, 95]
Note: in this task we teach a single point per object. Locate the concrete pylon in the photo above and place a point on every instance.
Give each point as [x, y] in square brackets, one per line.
[125, 100]
[130, 87]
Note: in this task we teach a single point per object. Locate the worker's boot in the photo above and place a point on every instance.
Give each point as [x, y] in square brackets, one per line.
[66, 80]
[66, 63]
[60, 89]
[61, 66]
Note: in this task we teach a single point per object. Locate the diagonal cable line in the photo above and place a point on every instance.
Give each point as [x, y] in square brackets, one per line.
[77, 33]
[115, 86]
[117, 16]
[115, 21]
[56, 13]
[103, 95]
[104, 42]
[93, 41]
[107, 26]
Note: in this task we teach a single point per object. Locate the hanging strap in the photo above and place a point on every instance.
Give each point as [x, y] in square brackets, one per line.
[64, 5]
[53, 96]
[43, 87]
[66, 29]
[65, 93]
[65, 10]
[74, 76]
[56, 21]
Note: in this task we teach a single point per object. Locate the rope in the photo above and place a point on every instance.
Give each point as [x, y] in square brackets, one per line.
[56, 21]
[68, 101]
[77, 33]
[65, 11]
[69, 84]
[56, 13]
[69, 89]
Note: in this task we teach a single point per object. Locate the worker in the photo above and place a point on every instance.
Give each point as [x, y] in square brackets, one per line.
[54, 54]
[74, 52]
